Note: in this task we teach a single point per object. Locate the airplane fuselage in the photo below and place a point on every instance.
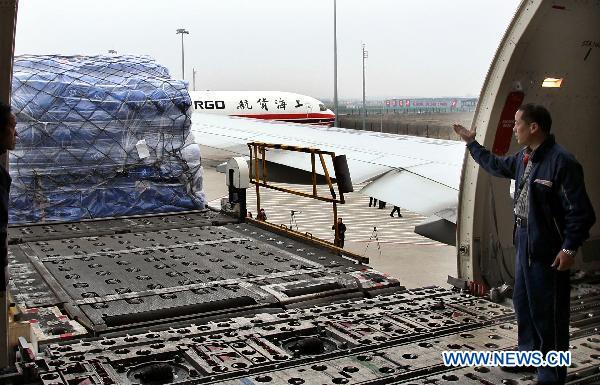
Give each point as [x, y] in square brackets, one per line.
[267, 105]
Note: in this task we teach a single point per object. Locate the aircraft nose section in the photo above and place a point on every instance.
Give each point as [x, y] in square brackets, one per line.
[330, 117]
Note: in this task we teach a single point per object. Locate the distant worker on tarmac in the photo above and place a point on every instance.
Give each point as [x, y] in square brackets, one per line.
[341, 232]
[261, 216]
[552, 218]
[396, 209]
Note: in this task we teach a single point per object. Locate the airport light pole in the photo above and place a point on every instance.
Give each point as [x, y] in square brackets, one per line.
[194, 78]
[365, 54]
[335, 88]
[182, 31]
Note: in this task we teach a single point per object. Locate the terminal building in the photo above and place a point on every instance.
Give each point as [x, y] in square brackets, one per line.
[422, 105]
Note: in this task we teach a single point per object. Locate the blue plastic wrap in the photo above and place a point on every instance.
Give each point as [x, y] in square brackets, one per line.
[100, 136]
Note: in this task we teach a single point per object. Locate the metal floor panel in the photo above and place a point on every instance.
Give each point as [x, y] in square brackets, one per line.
[146, 276]
[49, 231]
[163, 308]
[28, 288]
[187, 299]
[364, 336]
[391, 339]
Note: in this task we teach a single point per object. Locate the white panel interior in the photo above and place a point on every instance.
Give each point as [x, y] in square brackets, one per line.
[555, 40]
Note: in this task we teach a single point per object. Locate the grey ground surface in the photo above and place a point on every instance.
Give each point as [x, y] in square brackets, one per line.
[415, 260]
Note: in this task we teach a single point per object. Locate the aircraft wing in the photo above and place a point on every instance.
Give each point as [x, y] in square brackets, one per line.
[419, 174]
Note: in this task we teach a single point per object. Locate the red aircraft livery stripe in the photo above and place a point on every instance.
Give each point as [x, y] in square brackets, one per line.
[288, 116]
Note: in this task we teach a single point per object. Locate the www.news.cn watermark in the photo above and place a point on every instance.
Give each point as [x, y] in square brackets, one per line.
[508, 358]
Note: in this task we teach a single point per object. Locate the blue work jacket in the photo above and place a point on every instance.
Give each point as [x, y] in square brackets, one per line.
[5, 181]
[560, 213]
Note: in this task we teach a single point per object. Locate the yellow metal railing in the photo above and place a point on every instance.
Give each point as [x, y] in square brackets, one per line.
[258, 176]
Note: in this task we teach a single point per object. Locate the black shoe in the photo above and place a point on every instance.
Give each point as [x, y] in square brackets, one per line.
[518, 369]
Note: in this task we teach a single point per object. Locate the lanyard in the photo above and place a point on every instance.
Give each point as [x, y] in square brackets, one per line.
[525, 177]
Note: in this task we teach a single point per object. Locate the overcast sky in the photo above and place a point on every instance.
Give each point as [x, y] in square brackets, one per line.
[416, 48]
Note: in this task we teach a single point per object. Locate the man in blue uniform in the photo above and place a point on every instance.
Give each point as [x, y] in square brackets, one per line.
[553, 216]
[8, 124]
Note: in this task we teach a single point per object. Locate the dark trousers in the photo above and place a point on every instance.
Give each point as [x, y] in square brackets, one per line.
[396, 209]
[340, 243]
[372, 202]
[542, 303]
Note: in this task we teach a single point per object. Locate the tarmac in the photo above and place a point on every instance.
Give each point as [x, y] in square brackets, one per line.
[392, 248]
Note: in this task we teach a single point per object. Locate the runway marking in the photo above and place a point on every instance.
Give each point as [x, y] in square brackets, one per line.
[316, 217]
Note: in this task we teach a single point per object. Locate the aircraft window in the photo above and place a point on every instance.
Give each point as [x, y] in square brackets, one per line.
[322, 107]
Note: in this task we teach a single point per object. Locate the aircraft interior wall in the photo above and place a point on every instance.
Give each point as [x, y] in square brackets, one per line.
[560, 42]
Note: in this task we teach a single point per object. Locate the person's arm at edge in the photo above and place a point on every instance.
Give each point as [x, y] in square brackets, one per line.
[500, 166]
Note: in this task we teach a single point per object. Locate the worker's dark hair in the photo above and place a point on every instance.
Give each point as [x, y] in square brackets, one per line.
[538, 114]
[5, 111]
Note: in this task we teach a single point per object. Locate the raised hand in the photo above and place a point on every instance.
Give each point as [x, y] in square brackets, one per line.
[466, 135]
